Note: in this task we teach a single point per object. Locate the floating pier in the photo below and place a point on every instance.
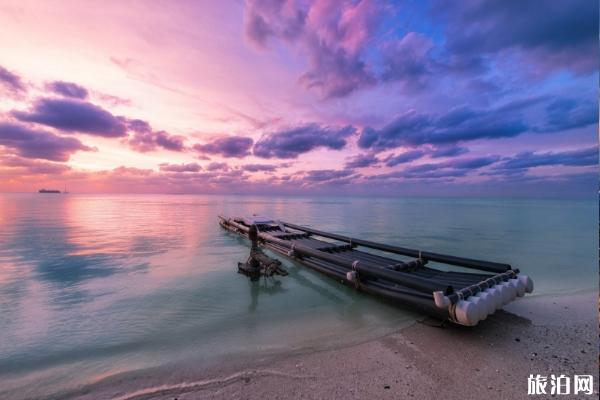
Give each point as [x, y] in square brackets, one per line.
[464, 298]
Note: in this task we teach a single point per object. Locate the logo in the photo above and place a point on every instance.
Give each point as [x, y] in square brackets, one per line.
[560, 384]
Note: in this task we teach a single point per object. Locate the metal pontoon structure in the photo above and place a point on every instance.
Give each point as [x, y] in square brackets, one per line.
[464, 298]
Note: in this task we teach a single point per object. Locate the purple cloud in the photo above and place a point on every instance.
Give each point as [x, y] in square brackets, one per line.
[567, 113]
[562, 35]
[393, 135]
[362, 161]
[470, 163]
[323, 175]
[413, 128]
[587, 156]
[449, 169]
[34, 167]
[404, 157]
[334, 72]
[227, 146]
[346, 50]
[428, 174]
[259, 167]
[217, 166]
[32, 143]
[333, 34]
[266, 19]
[451, 151]
[69, 89]
[11, 82]
[145, 139]
[74, 116]
[293, 142]
[191, 167]
[409, 60]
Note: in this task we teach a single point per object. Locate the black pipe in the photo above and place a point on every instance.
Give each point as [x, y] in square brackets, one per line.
[400, 278]
[358, 255]
[442, 258]
[364, 268]
[388, 290]
[392, 290]
[372, 279]
[404, 295]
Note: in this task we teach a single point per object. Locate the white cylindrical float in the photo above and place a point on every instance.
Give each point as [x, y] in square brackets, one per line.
[489, 301]
[527, 282]
[520, 286]
[506, 292]
[511, 292]
[480, 307]
[499, 293]
[466, 313]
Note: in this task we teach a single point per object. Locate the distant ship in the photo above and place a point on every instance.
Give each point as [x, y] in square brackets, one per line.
[49, 191]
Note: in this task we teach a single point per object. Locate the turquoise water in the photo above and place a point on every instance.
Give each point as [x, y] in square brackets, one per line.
[92, 286]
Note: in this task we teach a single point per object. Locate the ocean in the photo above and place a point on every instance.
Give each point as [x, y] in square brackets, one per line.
[92, 286]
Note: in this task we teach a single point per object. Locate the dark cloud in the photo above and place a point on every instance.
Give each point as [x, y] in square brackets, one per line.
[346, 50]
[443, 174]
[144, 139]
[335, 72]
[293, 142]
[581, 157]
[395, 133]
[449, 169]
[34, 167]
[79, 116]
[333, 34]
[74, 116]
[458, 125]
[149, 141]
[190, 167]
[361, 161]
[326, 175]
[407, 156]
[259, 167]
[561, 34]
[227, 146]
[11, 82]
[568, 113]
[409, 60]
[451, 151]
[34, 143]
[217, 166]
[265, 19]
[404, 157]
[69, 89]
[470, 163]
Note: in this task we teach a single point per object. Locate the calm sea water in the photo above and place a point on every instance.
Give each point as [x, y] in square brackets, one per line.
[92, 286]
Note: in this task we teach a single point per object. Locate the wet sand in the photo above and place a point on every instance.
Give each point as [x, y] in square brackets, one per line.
[540, 334]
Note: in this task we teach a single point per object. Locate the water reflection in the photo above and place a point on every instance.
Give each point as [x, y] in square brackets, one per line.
[92, 285]
[264, 287]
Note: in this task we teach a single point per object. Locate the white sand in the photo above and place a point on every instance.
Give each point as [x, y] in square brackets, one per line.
[540, 334]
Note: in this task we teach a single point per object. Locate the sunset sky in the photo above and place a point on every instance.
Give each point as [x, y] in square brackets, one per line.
[481, 98]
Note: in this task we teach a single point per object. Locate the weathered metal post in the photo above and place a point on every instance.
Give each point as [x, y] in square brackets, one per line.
[253, 235]
[253, 261]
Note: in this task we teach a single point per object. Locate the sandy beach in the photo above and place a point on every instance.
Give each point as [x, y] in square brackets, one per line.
[542, 334]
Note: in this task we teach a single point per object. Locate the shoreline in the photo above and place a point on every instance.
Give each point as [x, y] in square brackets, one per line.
[491, 360]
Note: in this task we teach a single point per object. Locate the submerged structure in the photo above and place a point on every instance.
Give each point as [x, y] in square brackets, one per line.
[463, 297]
[259, 264]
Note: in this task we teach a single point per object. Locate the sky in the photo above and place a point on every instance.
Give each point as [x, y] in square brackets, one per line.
[334, 97]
